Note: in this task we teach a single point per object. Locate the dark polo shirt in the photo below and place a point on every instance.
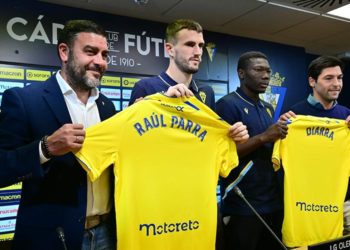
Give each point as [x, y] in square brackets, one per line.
[162, 82]
[260, 184]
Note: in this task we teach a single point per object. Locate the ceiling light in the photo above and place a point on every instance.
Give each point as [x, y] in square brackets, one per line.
[343, 12]
[141, 2]
[337, 18]
[293, 8]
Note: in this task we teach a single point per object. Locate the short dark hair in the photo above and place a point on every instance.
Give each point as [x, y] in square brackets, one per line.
[322, 62]
[243, 60]
[73, 27]
[180, 24]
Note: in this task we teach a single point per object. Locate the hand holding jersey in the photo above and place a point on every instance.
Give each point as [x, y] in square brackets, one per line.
[348, 121]
[67, 138]
[238, 132]
[179, 90]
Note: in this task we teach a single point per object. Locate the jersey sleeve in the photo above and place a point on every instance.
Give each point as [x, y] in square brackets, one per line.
[101, 145]
[276, 156]
[229, 158]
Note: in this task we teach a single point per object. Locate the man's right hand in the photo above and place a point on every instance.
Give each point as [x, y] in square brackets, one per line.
[286, 116]
[67, 138]
[276, 131]
[138, 99]
[347, 121]
[179, 90]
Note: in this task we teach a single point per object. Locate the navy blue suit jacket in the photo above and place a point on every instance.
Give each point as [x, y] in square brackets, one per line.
[53, 194]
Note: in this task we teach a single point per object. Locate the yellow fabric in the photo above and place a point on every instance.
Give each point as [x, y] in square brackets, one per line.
[167, 155]
[316, 161]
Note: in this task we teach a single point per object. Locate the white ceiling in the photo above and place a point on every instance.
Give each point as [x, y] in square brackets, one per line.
[247, 18]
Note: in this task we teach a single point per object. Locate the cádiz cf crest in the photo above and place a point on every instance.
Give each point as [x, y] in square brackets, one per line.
[211, 50]
[203, 96]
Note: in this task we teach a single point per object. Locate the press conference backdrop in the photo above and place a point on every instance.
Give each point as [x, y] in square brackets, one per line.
[28, 39]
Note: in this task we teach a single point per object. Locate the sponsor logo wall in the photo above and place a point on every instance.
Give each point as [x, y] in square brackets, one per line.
[116, 87]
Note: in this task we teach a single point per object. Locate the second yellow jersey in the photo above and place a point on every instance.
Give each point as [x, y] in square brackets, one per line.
[316, 161]
[167, 155]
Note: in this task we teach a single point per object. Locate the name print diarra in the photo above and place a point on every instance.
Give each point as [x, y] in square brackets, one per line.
[322, 131]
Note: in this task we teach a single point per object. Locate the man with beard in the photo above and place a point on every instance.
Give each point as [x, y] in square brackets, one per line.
[242, 229]
[59, 205]
[184, 45]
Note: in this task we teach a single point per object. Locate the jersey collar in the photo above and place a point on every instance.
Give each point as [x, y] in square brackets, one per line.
[315, 103]
[247, 99]
[166, 79]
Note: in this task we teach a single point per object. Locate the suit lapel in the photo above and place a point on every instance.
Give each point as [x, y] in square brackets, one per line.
[101, 105]
[54, 98]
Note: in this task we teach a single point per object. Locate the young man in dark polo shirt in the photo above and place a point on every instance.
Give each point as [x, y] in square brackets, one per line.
[325, 77]
[242, 229]
[184, 45]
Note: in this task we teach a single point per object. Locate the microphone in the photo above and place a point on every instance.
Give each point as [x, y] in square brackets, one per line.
[61, 236]
[240, 194]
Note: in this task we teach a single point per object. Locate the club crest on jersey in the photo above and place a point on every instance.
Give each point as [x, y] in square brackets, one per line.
[246, 110]
[203, 96]
[269, 112]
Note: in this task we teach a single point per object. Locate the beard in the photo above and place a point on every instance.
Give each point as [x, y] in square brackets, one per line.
[77, 75]
[184, 67]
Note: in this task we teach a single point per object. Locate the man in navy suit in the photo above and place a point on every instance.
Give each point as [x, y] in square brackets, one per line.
[40, 125]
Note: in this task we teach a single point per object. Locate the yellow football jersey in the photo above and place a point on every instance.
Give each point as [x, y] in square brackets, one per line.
[316, 161]
[167, 155]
